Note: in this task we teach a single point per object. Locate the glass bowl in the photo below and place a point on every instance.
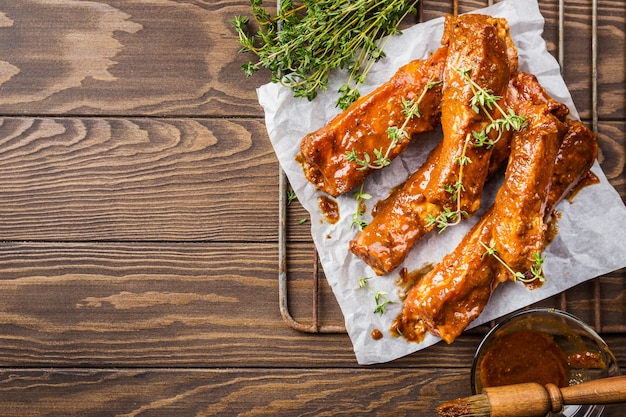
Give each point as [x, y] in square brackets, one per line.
[571, 351]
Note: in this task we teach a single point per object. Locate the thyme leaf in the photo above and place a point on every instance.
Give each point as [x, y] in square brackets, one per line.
[361, 196]
[291, 196]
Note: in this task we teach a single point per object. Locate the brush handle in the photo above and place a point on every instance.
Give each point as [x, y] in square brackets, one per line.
[531, 399]
[600, 391]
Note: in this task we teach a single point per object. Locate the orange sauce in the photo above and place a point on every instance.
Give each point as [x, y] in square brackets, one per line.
[524, 356]
[411, 329]
[377, 334]
[586, 360]
[407, 279]
[589, 179]
[329, 208]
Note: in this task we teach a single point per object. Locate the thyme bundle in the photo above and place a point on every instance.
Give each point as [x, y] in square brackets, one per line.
[308, 39]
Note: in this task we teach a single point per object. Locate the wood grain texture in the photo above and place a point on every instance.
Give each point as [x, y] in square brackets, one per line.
[180, 305]
[229, 392]
[612, 154]
[233, 392]
[123, 58]
[137, 179]
[161, 179]
[112, 304]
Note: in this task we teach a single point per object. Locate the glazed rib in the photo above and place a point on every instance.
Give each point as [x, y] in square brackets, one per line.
[455, 292]
[481, 46]
[399, 223]
[576, 156]
[520, 204]
[362, 128]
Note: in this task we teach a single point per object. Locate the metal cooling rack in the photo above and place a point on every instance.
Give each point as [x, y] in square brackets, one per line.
[314, 324]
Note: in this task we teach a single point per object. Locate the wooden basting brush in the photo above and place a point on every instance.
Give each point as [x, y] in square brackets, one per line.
[532, 399]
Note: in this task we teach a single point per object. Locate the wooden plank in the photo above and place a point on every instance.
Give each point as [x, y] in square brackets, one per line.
[233, 392]
[136, 58]
[112, 304]
[112, 57]
[229, 392]
[161, 179]
[137, 179]
[102, 304]
[177, 305]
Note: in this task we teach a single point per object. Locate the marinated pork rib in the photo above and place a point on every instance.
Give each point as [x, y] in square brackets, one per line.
[399, 222]
[362, 128]
[577, 154]
[481, 47]
[455, 292]
[521, 201]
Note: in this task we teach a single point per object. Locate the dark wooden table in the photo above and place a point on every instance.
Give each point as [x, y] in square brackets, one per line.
[139, 222]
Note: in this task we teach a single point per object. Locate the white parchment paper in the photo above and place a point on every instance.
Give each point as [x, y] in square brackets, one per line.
[592, 229]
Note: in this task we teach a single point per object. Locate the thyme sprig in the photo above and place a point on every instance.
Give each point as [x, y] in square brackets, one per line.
[308, 39]
[361, 196]
[448, 217]
[379, 296]
[291, 196]
[484, 99]
[410, 109]
[381, 160]
[536, 269]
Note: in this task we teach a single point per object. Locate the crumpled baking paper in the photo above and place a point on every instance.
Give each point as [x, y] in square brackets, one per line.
[592, 229]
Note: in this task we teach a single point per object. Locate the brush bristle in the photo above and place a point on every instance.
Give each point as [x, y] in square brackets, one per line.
[474, 406]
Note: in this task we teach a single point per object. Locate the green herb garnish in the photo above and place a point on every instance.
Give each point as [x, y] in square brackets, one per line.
[483, 100]
[308, 39]
[360, 196]
[291, 196]
[536, 269]
[379, 296]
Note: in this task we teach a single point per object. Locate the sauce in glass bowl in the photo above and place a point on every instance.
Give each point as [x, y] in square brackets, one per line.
[543, 345]
[524, 356]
